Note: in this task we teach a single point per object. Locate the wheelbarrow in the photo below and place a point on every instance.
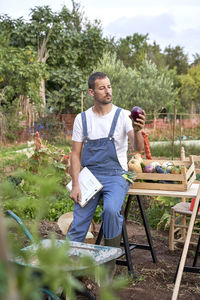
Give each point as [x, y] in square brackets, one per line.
[99, 254]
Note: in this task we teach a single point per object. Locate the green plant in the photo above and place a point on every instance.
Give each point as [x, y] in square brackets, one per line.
[21, 186]
[97, 214]
[158, 212]
[61, 206]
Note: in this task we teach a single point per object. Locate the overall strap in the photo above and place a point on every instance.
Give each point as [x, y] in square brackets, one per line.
[84, 122]
[114, 122]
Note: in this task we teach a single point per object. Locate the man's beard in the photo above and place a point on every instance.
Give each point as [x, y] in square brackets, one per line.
[104, 102]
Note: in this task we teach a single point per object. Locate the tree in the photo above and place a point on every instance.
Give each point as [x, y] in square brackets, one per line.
[155, 55]
[189, 90]
[154, 87]
[131, 50]
[196, 60]
[20, 78]
[20, 74]
[175, 58]
[71, 47]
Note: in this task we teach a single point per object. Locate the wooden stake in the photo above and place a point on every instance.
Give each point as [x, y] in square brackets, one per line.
[186, 247]
[180, 132]
[154, 123]
[174, 130]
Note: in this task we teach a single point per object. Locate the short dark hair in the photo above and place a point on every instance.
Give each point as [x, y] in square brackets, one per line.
[93, 77]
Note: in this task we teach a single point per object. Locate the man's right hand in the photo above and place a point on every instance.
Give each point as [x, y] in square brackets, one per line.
[76, 194]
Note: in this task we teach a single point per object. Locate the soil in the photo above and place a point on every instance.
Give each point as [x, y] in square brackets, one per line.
[155, 280]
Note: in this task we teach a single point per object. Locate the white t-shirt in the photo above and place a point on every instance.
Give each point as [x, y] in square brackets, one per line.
[99, 127]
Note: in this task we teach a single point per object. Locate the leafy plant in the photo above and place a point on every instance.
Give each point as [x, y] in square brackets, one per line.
[22, 186]
[159, 211]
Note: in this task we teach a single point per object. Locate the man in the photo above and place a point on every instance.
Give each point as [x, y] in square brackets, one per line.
[100, 142]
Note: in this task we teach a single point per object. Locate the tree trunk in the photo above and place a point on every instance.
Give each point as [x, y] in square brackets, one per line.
[42, 57]
[42, 93]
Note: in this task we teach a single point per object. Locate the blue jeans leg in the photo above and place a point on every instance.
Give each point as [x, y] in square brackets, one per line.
[114, 192]
[82, 218]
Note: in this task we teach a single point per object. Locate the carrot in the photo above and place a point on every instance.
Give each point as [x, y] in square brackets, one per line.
[146, 146]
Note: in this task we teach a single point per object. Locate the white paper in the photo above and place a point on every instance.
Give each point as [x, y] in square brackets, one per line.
[89, 185]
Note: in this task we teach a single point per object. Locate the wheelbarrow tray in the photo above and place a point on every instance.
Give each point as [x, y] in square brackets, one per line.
[100, 254]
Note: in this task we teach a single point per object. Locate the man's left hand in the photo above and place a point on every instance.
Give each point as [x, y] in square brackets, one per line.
[139, 124]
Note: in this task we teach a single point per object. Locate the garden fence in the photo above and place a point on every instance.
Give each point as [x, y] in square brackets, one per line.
[158, 127]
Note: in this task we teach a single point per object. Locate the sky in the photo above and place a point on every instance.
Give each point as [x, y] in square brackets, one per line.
[167, 22]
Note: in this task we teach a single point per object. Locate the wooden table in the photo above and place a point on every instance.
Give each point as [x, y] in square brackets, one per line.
[192, 192]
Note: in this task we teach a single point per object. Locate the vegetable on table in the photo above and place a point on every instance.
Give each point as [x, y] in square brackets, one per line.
[167, 165]
[134, 165]
[175, 170]
[149, 168]
[161, 171]
[138, 157]
[146, 145]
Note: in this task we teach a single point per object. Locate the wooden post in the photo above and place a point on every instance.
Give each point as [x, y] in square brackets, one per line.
[154, 123]
[182, 153]
[1, 127]
[180, 133]
[174, 130]
[81, 101]
[183, 217]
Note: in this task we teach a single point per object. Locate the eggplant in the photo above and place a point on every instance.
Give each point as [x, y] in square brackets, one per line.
[136, 112]
[161, 171]
[149, 169]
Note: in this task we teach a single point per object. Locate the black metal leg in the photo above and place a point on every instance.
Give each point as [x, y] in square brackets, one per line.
[126, 252]
[100, 235]
[193, 268]
[147, 230]
[128, 247]
[177, 269]
[127, 207]
[196, 253]
[125, 244]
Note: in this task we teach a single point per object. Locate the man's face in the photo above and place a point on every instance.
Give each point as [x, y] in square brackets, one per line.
[102, 92]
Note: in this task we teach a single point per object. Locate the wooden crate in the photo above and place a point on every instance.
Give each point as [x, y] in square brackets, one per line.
[177, 182]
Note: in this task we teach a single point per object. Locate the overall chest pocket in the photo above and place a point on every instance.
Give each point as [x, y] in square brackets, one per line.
[96, 152]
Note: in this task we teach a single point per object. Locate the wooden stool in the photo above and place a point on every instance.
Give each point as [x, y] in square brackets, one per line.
[180, 213]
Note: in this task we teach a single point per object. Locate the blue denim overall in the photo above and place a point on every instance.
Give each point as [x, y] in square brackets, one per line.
[100, 157]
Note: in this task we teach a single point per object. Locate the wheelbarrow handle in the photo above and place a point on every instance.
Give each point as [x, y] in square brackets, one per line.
[49, 293]
[19, 221]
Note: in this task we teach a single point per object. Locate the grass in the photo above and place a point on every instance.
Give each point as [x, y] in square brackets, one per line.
[166, 151]
[8, 151]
